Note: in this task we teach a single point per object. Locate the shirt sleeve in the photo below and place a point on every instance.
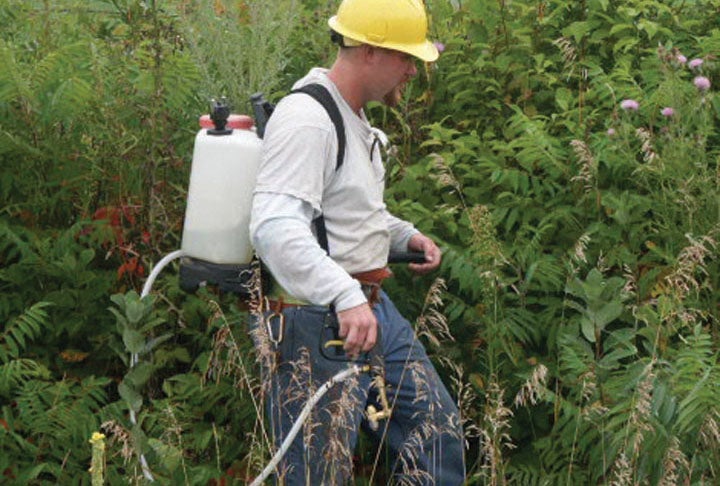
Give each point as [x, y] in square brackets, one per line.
[281, 233]
[400, 233]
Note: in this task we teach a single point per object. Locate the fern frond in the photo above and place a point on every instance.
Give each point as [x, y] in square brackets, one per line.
[58, 64]
[696, 381]
[71, 96]
[533, 476]
[575, 356]
[13, 246]
[533, 146]
[181, 76]
[22, 329]
[13, 84]
[64, 412]
[521, 324]
[18, 371]
[10, 142]
[693, 360]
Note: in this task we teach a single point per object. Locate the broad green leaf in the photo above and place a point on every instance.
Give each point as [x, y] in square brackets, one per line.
[650, 27]
[621, 27]
[577, 30]
[133, 340]
[135, 310]
[607, 313]
[152, 343]
[588, 329]
[625, 44]
[612, 359]
[139, 374]
[131, 397]
[118, 300]
[563, 97]
[169, 455]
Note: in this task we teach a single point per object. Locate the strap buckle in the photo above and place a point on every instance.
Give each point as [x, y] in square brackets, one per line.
[276, 314]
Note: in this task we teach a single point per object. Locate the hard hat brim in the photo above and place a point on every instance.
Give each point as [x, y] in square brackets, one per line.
[425, 51]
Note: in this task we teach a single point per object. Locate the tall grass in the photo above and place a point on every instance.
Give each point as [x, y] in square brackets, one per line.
[580, 235]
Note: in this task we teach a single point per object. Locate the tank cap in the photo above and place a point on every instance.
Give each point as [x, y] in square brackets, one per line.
[234, 121]
[219, 115]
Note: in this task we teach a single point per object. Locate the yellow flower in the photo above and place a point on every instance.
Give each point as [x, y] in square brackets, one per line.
[96, 437]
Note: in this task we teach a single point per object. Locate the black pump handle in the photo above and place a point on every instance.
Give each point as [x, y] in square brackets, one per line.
[407, 257]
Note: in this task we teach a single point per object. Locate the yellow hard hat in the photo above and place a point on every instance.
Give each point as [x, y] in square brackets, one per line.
[400, 25]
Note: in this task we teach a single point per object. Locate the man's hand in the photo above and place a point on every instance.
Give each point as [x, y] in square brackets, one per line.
[433, 255]
[358, 327]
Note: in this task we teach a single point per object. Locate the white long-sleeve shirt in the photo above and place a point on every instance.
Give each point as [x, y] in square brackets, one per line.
[298, 180]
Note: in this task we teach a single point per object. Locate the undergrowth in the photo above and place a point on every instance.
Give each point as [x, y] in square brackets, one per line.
[565, 156]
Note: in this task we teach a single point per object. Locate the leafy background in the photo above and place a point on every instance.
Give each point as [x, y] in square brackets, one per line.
[579, 318]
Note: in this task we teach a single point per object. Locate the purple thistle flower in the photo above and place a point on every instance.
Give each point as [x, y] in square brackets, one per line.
[439, 46]
[695, 63]
[631, 105]
[667, 112]
[702, 83]
[681, 59]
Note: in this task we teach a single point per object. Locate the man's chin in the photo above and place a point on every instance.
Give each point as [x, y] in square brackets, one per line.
[393, 98]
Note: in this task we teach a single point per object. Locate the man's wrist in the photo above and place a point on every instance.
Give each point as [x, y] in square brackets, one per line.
[401, 245]
[350, 298]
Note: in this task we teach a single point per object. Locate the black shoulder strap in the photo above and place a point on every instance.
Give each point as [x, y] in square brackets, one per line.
[323, 96]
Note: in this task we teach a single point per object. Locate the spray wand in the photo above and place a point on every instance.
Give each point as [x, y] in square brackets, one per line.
[375, 365]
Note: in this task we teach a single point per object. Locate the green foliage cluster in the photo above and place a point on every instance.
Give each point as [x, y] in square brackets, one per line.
[580, 238]
[98, 109]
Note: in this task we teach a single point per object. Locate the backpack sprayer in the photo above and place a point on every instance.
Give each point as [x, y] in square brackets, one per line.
[216, 248]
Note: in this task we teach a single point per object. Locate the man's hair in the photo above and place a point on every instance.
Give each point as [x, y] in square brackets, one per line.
[336, 38]
[342, 41]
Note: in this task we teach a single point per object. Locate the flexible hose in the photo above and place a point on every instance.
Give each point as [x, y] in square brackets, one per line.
[135, 358]
[341, 376]
[158, 268]
[338, 378]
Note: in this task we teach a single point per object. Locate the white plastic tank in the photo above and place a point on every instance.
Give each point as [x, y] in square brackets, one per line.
[222, 179]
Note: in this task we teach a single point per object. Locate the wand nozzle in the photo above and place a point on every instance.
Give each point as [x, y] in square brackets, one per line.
[377, 369]
[375, 365]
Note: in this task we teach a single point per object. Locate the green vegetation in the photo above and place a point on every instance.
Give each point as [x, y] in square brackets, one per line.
[565, 154]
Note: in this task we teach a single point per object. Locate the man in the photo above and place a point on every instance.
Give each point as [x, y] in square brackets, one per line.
[298, 181]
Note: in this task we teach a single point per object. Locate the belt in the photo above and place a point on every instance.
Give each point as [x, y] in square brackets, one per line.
[370, 283]
[278, 304]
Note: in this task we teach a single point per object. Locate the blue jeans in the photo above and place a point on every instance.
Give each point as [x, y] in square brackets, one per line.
[423, 435]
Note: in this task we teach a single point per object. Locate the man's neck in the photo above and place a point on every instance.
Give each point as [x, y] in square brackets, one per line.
[349, 83]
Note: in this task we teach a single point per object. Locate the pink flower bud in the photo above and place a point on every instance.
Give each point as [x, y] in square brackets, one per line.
[695, 63]
[681, 59]
[611, 132]
[702, 83]
[439, 46]
[667, 112]
[631, 105]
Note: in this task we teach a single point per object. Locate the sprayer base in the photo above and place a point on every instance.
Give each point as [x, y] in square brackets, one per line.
[228, 278]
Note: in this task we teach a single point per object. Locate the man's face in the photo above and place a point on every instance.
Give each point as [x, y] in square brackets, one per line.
[397, 68]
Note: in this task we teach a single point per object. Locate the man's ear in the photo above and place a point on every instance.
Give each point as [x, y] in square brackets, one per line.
[369, 53]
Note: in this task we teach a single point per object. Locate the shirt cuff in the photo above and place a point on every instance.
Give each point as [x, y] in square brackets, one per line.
[401, 245]
[350, 298]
